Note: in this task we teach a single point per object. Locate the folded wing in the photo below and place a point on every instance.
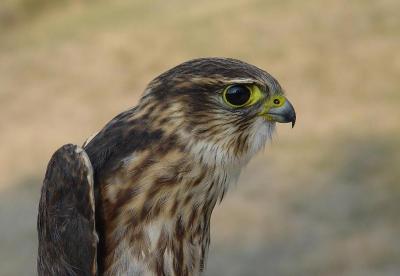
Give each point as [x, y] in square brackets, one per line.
[66, 220]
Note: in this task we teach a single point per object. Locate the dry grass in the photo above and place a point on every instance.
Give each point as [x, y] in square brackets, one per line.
[322, 200]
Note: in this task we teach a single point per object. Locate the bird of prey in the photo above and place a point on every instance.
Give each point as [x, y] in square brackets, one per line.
[136, 199]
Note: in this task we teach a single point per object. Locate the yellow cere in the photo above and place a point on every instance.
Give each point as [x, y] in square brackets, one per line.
[273, 102]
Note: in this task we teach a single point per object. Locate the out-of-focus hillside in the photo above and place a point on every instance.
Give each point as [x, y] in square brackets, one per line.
[323, 199]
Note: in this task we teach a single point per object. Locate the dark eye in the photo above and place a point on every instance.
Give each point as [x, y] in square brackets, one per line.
[237, 95]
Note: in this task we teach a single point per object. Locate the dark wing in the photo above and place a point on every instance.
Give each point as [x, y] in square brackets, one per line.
[66, 220]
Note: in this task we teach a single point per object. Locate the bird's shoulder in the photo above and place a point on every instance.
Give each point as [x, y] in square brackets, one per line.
[121, 137]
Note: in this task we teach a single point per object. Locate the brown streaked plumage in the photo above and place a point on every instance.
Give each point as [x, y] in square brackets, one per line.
[160, 168]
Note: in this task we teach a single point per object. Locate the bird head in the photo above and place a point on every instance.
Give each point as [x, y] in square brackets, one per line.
[222, 110]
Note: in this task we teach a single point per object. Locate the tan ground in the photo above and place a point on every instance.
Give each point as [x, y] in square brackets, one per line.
[323, 199]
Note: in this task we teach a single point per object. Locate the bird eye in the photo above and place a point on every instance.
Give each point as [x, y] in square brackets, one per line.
[237, 95]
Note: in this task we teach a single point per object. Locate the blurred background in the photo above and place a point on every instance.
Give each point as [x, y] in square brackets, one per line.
[322, 199]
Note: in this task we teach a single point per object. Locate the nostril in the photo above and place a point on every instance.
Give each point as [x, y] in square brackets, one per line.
[277, 101]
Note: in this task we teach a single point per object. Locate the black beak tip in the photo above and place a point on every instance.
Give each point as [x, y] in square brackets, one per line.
[293, 121]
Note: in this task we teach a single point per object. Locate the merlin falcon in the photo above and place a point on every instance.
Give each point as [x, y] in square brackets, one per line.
[137, 197]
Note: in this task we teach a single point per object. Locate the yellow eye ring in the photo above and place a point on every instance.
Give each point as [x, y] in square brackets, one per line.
[237, 95]
[241, 95]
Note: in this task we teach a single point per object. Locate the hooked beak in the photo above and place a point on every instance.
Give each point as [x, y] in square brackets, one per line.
[279, 109]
